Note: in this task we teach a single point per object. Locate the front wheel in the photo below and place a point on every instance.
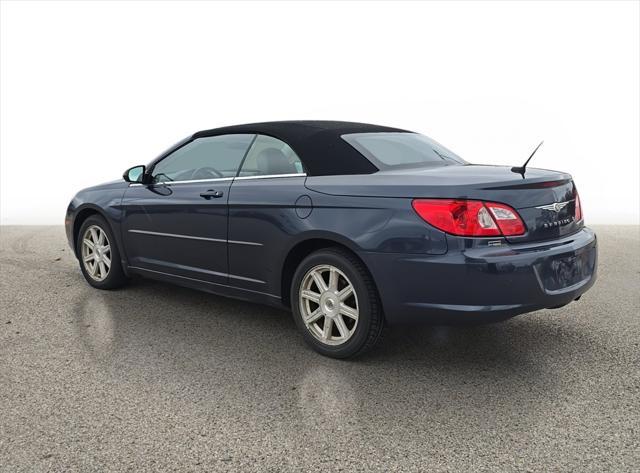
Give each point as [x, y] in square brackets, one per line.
[335, 304]
[98, 254]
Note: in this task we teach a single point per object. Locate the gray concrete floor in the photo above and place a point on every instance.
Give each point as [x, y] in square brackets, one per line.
[155, 377]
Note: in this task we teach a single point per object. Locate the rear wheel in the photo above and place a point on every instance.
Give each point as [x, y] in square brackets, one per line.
[98, 254]
[335, 304]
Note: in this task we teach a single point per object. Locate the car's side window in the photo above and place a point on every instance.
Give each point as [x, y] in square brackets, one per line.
[270, 156]
[212, 157]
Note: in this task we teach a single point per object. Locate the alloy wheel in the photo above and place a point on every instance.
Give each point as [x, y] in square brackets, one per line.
[328, 305]
[96, 253]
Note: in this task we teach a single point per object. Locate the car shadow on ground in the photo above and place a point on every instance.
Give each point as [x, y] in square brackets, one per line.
[150, 315]
[223, 353]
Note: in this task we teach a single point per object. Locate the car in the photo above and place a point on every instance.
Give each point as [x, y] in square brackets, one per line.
[351, 226]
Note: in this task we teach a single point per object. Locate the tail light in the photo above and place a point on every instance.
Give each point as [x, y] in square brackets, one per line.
[470, 217]
[578, 208]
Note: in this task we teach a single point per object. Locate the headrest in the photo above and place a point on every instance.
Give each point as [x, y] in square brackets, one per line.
[273, 161]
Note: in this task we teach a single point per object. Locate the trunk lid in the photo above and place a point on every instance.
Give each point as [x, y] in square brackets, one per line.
[544, 199]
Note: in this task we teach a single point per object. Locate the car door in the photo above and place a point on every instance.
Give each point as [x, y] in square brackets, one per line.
[262, 214]
[177, 223]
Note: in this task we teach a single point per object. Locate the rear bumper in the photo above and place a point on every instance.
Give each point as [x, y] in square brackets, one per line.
[484, 284]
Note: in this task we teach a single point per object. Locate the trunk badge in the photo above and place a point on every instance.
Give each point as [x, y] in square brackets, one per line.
[555, 207]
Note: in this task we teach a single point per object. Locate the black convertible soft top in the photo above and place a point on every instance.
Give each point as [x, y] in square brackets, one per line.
[317, 143]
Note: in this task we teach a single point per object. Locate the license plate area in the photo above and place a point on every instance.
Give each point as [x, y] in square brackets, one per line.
[565, 272]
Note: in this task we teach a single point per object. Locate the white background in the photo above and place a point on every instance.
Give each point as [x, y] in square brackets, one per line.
[89, 89]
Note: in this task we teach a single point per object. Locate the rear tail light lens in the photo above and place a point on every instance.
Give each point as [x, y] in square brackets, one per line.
[470, 217]
[578, 208]
[507, 219]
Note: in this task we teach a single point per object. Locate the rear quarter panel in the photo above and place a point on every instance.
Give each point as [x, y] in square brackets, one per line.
[375, 224]
[280, 214]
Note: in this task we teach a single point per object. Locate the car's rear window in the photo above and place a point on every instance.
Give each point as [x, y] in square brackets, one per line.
[398, 150]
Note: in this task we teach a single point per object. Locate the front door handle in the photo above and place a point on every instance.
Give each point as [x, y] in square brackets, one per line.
[211, 194]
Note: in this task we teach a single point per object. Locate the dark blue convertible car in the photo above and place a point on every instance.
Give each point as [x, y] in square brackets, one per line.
[351, 226]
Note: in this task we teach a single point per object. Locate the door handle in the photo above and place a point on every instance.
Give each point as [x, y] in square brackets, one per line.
[211, 194]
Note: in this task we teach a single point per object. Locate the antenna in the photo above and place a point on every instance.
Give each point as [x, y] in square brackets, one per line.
[522, 169]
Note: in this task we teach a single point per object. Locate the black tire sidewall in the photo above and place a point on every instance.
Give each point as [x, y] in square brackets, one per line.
[361, 335]
[116, 276]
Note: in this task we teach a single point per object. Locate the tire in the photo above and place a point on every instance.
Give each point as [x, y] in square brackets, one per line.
[339, 270]
[92, 270]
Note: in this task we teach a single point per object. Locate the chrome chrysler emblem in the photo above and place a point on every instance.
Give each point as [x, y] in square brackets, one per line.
[555, 207]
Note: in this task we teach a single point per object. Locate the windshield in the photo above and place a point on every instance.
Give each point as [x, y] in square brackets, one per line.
[170, 149]
[398, 150]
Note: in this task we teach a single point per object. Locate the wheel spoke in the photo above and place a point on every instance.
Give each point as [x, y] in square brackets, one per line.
[107, 261]
[333, 279]
[103, 269]
[328, 325]
[310, 295]
[342, 327]
[348, 311]
[88, 258]
[94, 268]
[94, 235]
[106, 248]
[317, 277]
[345, 293]
[100, 237]
[315, 315]
[89, 244]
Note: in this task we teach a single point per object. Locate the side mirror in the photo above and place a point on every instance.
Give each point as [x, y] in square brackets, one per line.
[134, 174]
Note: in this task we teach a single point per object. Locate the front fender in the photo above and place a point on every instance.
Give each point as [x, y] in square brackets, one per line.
[105, 202]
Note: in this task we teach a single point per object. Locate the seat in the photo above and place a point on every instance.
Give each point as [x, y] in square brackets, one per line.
[273, 161]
